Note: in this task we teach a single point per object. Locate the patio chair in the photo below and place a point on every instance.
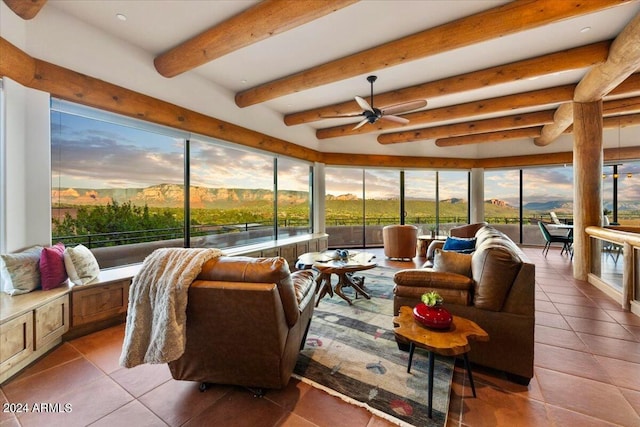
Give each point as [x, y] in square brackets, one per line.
[554, 218]
[549, 238]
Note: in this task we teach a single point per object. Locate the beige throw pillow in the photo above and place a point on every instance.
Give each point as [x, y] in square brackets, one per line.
[452, 262]
[82, 267]
[20, 272]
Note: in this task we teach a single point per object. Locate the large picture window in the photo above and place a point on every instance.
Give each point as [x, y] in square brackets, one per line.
[113, 183]
[231, 198]
[123, 182]
[294, 197]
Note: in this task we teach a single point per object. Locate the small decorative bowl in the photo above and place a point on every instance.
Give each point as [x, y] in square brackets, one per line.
[436, 317]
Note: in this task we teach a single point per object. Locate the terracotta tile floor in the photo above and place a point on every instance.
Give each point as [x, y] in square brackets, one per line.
[587, 373]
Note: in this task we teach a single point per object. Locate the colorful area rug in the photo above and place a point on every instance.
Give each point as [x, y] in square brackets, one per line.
[351, 350]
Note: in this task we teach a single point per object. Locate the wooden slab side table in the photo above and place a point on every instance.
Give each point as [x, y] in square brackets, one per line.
[448, 342]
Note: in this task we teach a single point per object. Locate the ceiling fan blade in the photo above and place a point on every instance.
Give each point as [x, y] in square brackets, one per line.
[359, 125]
[342, 116]
[395, 119]
[404, 106]
[363, 104]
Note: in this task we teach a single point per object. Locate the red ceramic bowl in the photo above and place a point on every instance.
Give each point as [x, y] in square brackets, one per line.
[432, 317]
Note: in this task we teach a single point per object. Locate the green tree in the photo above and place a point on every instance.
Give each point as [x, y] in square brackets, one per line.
[116, 218]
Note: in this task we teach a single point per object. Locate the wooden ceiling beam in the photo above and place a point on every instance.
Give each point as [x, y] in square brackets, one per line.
[516, 121]
[611, 122]
[506, 135]
[70, 85]
[507, 103]
[535, 98]
[622, 61]
[610, 108]
[546, 159]
[265, 19]
[401, 162]
[621, 106]
[557, 62]
[25, 9]
[509, 18]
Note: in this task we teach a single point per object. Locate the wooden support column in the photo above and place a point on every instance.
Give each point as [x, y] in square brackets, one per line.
[587, 181]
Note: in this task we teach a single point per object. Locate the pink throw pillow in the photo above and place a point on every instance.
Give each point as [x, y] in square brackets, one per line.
[52, 271]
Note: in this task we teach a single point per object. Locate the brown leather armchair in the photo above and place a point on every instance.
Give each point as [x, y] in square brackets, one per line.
[247, 320]
[400, 241]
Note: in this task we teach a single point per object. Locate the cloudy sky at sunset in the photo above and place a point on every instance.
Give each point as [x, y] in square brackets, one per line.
[89, 153]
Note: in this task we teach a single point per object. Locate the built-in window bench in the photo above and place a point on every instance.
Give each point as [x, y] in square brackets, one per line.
[32, 324]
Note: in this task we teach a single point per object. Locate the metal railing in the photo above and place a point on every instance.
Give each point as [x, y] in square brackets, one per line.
[116, 238]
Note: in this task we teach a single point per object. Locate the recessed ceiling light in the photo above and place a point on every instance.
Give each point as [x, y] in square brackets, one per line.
[585, 29]
[243, 81]
[121, 16]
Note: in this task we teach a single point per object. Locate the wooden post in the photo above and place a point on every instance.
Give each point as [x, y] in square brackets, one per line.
[587, 181]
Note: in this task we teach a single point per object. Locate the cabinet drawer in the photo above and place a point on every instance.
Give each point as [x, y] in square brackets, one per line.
[273, 252]
[99, 302]
[16, 341]
[289, 253]
[52, 321]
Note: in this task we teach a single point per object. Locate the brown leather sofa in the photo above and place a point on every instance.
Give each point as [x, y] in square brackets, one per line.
[247, 320]
[494, 286]
[400, 241]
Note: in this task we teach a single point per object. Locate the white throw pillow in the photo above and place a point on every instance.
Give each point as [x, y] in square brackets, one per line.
[82, 267]
[20, 271]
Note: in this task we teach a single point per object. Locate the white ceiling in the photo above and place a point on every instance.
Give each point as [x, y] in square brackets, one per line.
[152, 27]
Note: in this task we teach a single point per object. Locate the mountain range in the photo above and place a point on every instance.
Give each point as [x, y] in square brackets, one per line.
[172, 195]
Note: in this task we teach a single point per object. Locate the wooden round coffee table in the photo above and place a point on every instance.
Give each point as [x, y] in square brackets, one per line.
[448, 342]
[343, 268]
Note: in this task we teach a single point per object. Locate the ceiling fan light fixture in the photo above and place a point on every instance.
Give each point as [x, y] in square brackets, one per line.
[371, 114]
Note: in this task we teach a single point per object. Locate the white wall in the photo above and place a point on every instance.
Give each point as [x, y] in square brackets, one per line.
[26, 168]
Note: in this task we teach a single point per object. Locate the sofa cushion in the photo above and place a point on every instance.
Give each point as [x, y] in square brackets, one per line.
[494, 270]
[20, 272]
[460, 244]
[452, 262]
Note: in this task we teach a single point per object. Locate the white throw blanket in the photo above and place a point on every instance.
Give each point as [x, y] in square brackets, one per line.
[156, 317]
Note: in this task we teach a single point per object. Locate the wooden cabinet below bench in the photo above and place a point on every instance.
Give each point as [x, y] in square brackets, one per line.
[95, 307]
[30, 325]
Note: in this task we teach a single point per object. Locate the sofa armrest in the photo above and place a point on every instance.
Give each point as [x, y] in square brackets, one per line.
[431, 250]
[304, 283]
[453, 288]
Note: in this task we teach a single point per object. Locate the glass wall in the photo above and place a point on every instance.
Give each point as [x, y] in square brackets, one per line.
[453, 200]
[294, 197]
[544, 190]
[122, 182]
[623, 182]
[420, 199]
[359, 203]
[114, 183]
[344, 206]
[382, 202]
[231, 195]
[502, 201]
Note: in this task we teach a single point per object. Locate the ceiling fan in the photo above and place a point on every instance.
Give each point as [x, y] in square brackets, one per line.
[371, 114]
